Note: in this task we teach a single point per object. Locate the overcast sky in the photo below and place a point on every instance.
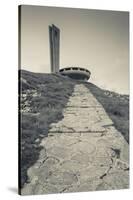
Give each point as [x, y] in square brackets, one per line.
[95, 39]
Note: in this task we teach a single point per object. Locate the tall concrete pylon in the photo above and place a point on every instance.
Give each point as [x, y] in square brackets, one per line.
[54, 39]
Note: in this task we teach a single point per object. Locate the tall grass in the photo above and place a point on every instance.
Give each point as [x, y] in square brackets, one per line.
[117, 107]
[51, 95]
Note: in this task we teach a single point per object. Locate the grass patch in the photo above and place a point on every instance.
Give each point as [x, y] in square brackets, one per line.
[116, 105]
[42, 100]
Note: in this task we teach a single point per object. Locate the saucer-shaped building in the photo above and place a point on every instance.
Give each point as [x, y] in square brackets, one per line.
[77, 73]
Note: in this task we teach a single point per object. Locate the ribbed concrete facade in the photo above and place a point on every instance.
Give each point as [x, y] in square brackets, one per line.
[54, 39]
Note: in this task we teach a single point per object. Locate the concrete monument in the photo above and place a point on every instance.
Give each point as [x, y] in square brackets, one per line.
[54, 37]
[72, 72]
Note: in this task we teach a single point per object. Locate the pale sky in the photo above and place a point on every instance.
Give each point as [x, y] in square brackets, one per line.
[94, 39]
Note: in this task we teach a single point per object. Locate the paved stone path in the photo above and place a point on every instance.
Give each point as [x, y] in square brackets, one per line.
[83, 151]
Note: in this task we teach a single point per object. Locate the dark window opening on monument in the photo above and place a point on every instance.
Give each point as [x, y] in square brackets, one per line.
[68, 69]
[87, 71]
[75, 68]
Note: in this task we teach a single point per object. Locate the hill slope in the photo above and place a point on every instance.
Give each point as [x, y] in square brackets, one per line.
[116, 105]
[42, 100]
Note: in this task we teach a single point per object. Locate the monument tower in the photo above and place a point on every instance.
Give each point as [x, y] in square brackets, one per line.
[72, 72]
[54, 37]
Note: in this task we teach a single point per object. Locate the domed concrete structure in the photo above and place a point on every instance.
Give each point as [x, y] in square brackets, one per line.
[77, 73]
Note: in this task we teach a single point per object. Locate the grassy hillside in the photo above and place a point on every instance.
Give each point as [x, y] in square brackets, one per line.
[42, 100]
[43, 97]
[116, 105]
